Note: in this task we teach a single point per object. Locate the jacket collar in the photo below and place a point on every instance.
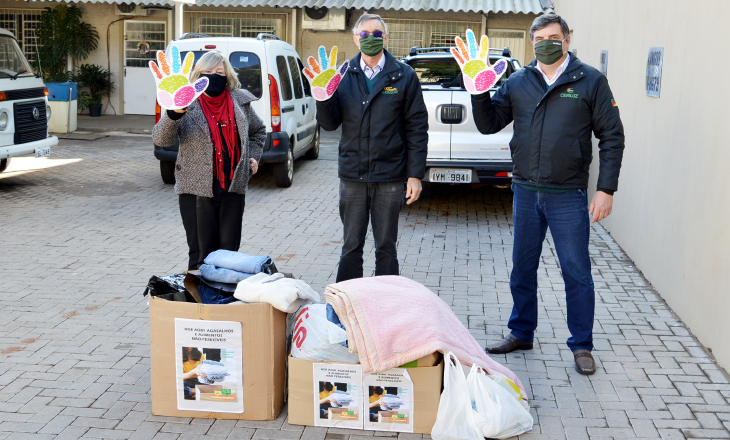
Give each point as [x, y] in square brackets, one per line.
[391, 64]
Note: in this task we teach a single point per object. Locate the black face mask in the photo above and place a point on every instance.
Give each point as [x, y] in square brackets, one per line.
[216, 84]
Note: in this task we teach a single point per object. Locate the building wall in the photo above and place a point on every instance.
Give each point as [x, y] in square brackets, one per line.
[672, 208]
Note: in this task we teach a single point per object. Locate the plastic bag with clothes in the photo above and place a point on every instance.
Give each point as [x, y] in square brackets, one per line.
[316, 339]
[498, 413]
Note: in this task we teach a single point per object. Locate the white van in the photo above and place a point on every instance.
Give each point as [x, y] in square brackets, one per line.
[24, 110]
[271, 70]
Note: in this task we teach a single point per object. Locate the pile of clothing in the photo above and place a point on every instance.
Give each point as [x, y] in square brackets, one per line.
[213, 371]
[285, 294]
[390, 402]
[340, 399]
[231, 267]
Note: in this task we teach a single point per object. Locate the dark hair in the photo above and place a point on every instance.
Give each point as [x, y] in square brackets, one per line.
[328, 386]
[546, 20]
[195, 355]
[376, 390]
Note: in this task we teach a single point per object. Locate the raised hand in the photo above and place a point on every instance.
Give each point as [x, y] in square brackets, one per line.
[323, 76]
[174, 90]
[478, 75]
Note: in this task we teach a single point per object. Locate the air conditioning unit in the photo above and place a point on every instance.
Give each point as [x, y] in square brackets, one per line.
[323, 19]
[130, 9]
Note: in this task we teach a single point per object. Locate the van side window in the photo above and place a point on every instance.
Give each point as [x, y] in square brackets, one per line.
[284, 78]
[305, 81]
[296, 77]
[248, 69]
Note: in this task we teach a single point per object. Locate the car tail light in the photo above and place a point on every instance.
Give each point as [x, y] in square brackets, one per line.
[158, 112]
[275, 105]
[503, 174]
[210, 46]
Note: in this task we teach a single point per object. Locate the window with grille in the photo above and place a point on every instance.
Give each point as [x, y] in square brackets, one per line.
[22, 23]
[404, 34]
[236, 24]
[135, 32]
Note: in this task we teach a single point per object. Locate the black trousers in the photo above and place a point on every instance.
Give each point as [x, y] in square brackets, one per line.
[211, 223]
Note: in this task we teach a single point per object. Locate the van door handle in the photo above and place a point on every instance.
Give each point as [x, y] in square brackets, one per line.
[304, 112]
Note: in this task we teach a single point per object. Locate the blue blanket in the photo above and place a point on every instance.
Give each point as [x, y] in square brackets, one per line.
[239, 262]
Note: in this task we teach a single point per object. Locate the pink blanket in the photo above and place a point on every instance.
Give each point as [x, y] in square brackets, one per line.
[393, 320]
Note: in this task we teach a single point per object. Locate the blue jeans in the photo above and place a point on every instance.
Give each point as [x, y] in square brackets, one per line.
[567, 217]
[360, 202]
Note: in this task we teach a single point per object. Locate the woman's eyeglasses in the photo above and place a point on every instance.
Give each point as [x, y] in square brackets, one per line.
[376, 34]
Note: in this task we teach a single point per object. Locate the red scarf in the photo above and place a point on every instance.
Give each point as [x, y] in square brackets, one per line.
[219, 110]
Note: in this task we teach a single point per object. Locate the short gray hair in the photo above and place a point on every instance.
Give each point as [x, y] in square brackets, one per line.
[367, 17]
[546, 20]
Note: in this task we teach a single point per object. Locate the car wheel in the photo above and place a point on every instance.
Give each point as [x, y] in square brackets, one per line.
[313, 152]
[167, 171]
[284, 172]
[4, 164]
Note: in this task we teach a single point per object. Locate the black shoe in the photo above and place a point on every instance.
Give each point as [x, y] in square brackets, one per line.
[584, 362]
[509, 344]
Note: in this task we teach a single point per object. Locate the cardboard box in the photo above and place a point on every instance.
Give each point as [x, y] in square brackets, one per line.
[431, 360]
[263, 364]
[426, 381]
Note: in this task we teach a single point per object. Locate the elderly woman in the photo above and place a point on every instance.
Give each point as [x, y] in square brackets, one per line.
[221, 142]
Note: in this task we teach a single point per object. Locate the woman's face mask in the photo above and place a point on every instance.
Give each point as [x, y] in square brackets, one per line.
[216, 83]
[549, 51]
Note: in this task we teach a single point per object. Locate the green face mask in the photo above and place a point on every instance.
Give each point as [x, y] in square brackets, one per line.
[371, 46]
[549, 51]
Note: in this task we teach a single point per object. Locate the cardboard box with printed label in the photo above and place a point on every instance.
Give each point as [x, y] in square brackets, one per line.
[425, 397]
[250, 373]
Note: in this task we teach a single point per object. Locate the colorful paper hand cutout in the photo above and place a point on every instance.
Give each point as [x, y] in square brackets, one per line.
[473, 58]
[174, 90]
[323, 76]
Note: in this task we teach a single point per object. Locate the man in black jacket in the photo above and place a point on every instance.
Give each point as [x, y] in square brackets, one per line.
[556, 103]
[384, 143]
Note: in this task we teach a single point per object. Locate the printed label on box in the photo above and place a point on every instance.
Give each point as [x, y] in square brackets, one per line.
[337, 394]
[388, 398]
[208, 365]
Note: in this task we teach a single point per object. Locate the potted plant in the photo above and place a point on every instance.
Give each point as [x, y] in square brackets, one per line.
[97, 82]
[62, 35]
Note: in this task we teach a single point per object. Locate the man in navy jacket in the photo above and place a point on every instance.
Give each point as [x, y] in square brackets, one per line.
[382, 152]
[556, 103]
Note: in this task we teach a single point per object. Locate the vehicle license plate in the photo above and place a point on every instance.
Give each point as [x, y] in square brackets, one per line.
[42, 151]
[449, 175]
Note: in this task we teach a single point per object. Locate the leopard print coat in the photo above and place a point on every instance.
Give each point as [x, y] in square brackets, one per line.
[194, 166]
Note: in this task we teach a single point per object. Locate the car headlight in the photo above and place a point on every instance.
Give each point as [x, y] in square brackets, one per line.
[48, 112]
[4, 118]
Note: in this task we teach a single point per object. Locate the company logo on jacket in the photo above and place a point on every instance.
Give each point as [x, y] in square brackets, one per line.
[390, 91]
[569, 94]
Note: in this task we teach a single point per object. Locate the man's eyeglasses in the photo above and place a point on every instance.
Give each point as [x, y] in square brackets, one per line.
[376, 34]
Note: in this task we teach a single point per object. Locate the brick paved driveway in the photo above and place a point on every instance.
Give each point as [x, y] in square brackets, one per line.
[84, 231]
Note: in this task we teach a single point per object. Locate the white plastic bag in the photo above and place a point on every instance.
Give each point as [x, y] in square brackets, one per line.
[455, 417]
[499, 414]
[314, 338]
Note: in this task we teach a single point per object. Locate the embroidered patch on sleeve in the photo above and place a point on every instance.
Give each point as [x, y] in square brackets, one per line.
[613, 103]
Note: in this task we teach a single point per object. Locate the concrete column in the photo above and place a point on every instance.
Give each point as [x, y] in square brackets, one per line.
[178, 19]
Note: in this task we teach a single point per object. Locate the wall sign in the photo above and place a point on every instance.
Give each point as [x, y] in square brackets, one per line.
[654, 71]
[604, 62]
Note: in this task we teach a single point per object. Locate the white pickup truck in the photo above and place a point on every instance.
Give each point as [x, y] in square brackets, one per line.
[24, 110]
[457, 152]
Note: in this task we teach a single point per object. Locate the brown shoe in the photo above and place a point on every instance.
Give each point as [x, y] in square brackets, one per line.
[509, 344]
[584, 363]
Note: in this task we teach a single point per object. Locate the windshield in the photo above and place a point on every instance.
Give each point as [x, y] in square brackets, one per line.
[12, 61]
[443, 71]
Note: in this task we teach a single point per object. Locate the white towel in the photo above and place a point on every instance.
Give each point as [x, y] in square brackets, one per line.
[285, 294]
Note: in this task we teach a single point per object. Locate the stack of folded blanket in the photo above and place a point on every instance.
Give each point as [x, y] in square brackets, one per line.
[340, 399]
[214, 372]
[390, 402]
[224, 266]
[417, 323]
[285, 294]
